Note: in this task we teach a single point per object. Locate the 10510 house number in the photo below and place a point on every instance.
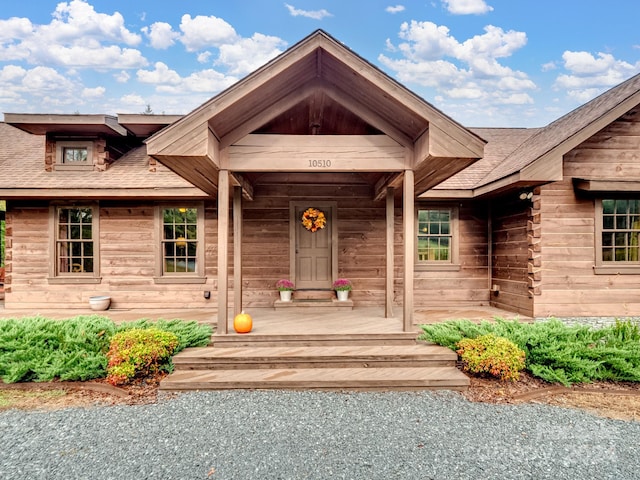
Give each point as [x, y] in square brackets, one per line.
[319, 163]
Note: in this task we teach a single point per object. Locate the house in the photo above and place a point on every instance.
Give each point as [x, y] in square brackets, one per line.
[205, 210]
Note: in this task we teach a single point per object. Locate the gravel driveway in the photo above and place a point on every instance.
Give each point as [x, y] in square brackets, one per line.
[316, 435]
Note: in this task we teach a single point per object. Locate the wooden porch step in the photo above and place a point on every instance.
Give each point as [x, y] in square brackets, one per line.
[309, 340]
[314, 357]
[305, 304]
[449, 378]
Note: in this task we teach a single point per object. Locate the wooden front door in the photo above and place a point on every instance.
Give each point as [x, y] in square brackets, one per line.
[313, 253]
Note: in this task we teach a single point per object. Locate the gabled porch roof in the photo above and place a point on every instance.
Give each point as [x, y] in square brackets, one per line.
[317, 87]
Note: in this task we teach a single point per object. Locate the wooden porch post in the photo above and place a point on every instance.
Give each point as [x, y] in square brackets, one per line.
[223, 251]
[237, 250]
[409, 239]
[388, 304]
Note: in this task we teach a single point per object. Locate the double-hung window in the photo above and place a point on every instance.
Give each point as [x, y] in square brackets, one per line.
[436, 231]
[181, 243]
[75, 242]
[618, 236]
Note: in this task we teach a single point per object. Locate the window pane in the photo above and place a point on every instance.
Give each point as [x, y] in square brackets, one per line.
[621, 223]
[74, 155]
[621, 206]
[607, 206]
[607, 222]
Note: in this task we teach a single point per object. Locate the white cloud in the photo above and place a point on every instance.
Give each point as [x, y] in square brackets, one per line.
[201, 32]
[314, 14]
[204, 57]
[161, 35]
[93, 93]
[468, 76]
[247, 54]
[394, 9]
[77, 36]
[206, 81]
[467, 7]
[122, 77]
[160, 75]
[134, 100]
[549, 66]
[588, 75]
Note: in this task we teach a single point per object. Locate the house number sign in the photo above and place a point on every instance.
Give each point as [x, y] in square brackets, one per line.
[319, 163]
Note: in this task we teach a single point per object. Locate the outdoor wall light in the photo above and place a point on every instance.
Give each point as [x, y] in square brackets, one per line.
[526, 195]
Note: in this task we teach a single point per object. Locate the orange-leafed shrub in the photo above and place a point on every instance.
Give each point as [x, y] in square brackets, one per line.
[137, 353]
[490, 354]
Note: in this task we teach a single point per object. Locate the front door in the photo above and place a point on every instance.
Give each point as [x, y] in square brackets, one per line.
[313, 244]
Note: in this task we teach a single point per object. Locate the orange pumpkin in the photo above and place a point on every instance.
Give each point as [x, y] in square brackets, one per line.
[242, 323]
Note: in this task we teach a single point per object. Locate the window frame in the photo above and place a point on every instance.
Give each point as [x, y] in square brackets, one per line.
[453, 263]
[55, 276]
[180, 277]
[610, 267]
[61, 146]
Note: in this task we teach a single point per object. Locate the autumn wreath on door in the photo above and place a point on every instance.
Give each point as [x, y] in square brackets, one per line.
[313, 219]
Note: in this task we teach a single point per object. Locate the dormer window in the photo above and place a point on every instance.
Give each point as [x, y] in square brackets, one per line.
[74, 155]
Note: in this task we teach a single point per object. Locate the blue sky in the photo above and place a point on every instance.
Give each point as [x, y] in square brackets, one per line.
[503, 63]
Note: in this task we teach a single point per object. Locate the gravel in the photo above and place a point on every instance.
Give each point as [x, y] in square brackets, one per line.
[316, 435]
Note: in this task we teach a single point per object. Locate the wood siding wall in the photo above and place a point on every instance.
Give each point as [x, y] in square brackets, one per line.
[127, 262]
[128, 254]
[569, 285]
[510, 254]
[470, 284]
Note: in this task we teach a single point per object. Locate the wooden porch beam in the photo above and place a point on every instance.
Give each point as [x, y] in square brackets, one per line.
[392, 180]
[388, 304]
[409, 239]
[223, 251]
[241, 181]
[237, 250]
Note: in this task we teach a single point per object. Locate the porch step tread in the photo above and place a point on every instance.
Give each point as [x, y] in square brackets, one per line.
[315, 356]
[313, 339]
[449, 378]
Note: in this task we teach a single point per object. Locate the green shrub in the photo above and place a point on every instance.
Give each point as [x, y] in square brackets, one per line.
[554, 351]
[40, 349]
[496, 356]
[138, 352]
[189, 333]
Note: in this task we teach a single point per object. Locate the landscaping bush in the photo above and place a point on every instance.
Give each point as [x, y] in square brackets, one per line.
[496, 356]
[40, 349]
[138, 352]
[554, 351]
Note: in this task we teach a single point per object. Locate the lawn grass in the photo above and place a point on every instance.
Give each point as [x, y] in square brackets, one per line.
[556, 352]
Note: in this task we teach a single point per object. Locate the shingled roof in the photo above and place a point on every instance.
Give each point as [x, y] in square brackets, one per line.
[22, 154]
[510, 150]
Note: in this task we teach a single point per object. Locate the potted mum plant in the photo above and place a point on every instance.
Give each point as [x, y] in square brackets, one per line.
[342, 286]
[285, 287]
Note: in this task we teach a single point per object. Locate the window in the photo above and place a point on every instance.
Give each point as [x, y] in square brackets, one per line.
[74, 155]
[75, 242]
[620, 231]
[181, 242]
[436, 240]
